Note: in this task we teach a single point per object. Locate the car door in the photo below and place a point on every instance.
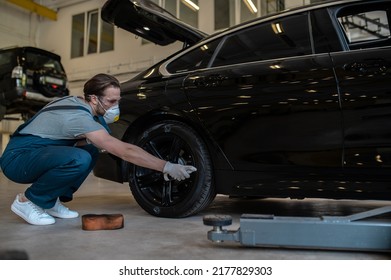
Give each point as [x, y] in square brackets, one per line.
[364, 74]
[269, 102]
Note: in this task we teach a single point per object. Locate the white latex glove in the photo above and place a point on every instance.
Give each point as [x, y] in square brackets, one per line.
[177, 171]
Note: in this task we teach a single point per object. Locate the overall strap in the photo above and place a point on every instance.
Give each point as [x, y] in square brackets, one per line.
[46, 109]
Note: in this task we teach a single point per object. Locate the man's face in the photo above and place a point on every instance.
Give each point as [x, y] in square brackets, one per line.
[111, 97]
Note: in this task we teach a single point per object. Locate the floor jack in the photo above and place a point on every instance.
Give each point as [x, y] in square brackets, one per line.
[357, 232]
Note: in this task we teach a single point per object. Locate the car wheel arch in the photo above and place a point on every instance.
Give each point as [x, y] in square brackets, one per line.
[142, 123]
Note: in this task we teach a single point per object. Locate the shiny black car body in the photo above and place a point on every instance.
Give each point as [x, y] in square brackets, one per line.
[297, 104]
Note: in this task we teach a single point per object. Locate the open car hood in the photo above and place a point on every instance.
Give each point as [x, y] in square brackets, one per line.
[149, 21]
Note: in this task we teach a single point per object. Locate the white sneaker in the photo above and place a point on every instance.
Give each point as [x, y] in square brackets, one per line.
[60, 211]
[31, 213]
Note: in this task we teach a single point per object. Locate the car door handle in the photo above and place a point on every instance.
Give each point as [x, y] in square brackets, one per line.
[208, 81]
[199, 82]
[368, 67]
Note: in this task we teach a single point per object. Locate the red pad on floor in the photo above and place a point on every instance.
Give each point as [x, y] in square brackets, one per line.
[102, 221]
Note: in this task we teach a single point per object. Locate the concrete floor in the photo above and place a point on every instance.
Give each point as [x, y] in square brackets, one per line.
[145, 237]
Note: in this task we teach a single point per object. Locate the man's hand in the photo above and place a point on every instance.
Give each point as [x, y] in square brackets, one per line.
[177, 171]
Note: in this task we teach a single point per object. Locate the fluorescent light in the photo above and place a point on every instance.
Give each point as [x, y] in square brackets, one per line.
[275, 66]
[191, 5]
[250, 5]
[149, 73]
[277, 28]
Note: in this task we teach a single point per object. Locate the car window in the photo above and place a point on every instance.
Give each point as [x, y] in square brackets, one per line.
[194, 59]
[6, 59]
[325, 37]
[366, 27]
[278, 39]
[38, 61]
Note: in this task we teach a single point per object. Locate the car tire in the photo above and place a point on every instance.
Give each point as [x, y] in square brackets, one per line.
[178, 143]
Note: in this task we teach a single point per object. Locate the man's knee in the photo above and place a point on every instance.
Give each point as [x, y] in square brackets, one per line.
[82, 160]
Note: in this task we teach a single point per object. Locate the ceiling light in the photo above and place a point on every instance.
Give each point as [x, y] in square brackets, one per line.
[277, 28]
[191, 5]
[250, 5]
[150, 72]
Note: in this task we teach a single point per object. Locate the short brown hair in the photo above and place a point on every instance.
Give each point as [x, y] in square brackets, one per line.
[98, 83]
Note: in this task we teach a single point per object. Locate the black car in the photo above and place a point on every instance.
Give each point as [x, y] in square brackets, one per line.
[293, 105]
[29, 78]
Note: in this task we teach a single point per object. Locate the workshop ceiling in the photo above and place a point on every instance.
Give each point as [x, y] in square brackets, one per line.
[58, 4]
[45, 8]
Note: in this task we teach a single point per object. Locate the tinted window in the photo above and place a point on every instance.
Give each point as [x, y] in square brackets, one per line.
[6, 59]
[283, 38]
[7, 63]
[38, 61]
[195, 59]
[367, 26]
[324, 34]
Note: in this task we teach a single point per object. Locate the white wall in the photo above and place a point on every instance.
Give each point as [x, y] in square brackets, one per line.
[296, 3]
[20, 27]
[128, 58]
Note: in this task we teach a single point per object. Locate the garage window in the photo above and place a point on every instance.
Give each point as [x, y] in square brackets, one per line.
[274, 6]
[187, 11]
[224, 14]
[90, 34]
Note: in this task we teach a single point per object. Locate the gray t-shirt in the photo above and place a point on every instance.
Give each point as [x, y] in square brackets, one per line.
[63, 123]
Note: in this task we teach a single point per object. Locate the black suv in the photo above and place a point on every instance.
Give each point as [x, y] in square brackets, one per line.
[29, 78]
[296, 104]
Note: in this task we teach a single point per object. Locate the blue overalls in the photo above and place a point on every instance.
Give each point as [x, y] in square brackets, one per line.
[56, 168]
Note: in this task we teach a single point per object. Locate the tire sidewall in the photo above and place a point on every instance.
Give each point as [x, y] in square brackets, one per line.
[202, 177]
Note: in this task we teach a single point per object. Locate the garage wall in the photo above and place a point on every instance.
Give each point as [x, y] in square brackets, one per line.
[23, 28]
[17, 26]
[128, 58]
[296, 3]
[20, 27]
[129, 55]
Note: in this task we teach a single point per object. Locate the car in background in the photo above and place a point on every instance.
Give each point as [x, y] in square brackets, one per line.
[291, 105]
[29, 79]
